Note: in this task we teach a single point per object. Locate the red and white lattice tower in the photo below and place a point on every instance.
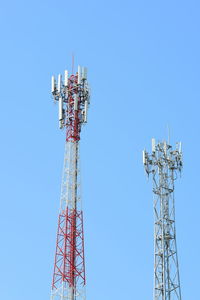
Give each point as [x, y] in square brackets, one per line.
[72, 95]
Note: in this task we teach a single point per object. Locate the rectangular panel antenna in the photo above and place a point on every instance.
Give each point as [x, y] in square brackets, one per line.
[66, 78]
[53, 84]
[86, 111]
[79, 75]
[144, 157]
[59, 82]
[84, 73]
[165, 147]
[153, 144]
[180, 147]
[60, 108]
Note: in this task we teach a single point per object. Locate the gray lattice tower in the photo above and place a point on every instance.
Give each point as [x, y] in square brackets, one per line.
[164, 164]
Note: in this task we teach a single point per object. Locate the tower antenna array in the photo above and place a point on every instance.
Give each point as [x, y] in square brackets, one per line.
[72, 95]
[164, 164]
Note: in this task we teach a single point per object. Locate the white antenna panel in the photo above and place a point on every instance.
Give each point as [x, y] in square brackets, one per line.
[60, 108]
[66, 78]
[180, 147]
[153, 144]
[143, 157]
[165, 147]
[59, 83]
[79, 74]
[84, 73]
[86, 111]
[53, 84]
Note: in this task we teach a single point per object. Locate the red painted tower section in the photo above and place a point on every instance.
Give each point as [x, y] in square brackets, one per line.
[69, 259]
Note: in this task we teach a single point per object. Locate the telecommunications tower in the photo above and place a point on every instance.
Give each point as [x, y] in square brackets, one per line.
[68, 282]
[164, 164]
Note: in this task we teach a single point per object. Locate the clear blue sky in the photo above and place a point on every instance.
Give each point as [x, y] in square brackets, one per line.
[143, 60]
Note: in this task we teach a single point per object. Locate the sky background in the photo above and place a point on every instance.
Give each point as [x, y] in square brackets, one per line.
[144, 70]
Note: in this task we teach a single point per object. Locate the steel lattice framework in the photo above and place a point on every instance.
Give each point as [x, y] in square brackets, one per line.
[164, 164]
[69, 280]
